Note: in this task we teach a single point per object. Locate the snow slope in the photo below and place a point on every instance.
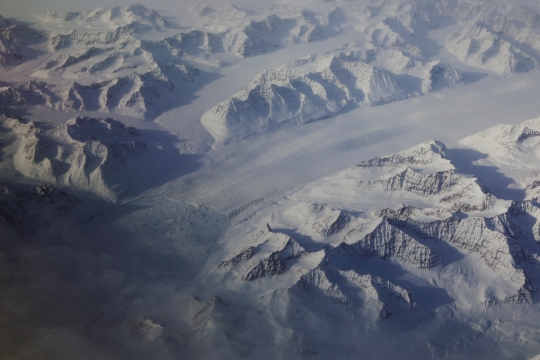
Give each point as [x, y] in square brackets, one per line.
[515, 146]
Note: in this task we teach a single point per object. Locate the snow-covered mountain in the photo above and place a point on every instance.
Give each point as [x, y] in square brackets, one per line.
[483, 48]
[98, 155]
[8, 51]
[421, 175]
[501, 37]
[256, 180]
[516, 146]
[137, 74]
[112, 45]
[279, 27]
[137, 16]
[315, 87]
[134, 94]
[142, 328]
[333, 250]
[14, 41]
[132, 75]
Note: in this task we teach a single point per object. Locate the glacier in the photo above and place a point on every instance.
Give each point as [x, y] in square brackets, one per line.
[273, 180]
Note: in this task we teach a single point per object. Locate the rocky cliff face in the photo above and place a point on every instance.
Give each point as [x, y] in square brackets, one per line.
[388, 242]
[268, 258]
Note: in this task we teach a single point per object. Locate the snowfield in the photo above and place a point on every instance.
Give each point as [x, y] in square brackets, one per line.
[270, 180]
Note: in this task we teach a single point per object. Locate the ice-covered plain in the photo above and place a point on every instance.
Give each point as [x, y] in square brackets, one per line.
[269, 179]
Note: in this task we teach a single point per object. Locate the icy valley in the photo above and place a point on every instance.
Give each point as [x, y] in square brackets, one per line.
[322, 179]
